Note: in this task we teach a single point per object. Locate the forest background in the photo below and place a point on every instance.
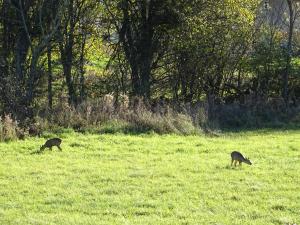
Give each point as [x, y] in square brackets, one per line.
[148, 65]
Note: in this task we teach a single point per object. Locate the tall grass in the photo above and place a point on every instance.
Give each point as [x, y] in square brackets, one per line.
[134, 116]
[9, 129]
[112, 115]
[171, 117]
[257, 116]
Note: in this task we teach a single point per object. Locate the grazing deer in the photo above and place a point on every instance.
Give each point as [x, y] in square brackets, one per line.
[238, 157]
[50, 143]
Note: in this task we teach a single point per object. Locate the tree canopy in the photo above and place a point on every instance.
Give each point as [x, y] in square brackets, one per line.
[184, 51]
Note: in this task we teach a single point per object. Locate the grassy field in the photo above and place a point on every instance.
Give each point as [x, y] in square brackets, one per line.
[152, 179]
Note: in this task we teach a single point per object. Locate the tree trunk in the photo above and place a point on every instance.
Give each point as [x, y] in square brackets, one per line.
[146, 49]
[66, 46]
[4, 51]
[67, 68]
[285, 78]
[81, 65]
[33, 76]
[127, 41]
[22, 47]
[211, 106]
[138, 48]
[49, 60]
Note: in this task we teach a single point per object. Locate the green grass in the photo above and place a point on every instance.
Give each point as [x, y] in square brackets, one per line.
[152, 179]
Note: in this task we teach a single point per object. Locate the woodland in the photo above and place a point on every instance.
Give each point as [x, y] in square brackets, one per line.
[140, 65]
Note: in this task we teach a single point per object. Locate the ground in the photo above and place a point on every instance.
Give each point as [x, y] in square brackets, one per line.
[152, 179]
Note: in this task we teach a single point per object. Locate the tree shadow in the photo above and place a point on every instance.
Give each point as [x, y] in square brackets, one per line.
[36, 152]
[229, 167]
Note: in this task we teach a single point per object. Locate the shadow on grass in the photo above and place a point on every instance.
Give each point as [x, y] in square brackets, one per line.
[229, 167]
[263, 129]
[122, 127]
[36, 152]
[208, 132]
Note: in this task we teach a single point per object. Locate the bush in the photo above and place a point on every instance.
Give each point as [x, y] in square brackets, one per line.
[8, 128]
[114, 126]
[110, 115]
[258, 116]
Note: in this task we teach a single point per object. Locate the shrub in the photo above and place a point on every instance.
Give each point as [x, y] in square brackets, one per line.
[115, 126]
[8, 128]
[109, 115]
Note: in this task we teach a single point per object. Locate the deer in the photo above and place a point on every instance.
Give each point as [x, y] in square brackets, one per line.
[50, 143]
[238, 157]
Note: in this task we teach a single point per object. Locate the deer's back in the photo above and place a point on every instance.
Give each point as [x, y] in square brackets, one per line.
[237, 155]
[53, 142]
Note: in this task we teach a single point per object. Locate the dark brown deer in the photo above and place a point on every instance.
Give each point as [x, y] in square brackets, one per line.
[238, 157]
[52, 142]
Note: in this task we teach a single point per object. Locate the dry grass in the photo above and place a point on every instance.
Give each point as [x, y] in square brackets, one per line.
[134, 116]
[9, 129]
[121, 115]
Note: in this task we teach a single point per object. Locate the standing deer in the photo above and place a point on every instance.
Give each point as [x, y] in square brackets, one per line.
[238, 157]
[52, 142]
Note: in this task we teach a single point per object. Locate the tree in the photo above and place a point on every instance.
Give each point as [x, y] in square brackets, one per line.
[26, 39]
[141, 26]
[75, 25]
[293, 13]
[210, 49]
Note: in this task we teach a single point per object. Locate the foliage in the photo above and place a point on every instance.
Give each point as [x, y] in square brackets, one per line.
[8, 129]
[106, 115]
[211, 47]
[182, 52]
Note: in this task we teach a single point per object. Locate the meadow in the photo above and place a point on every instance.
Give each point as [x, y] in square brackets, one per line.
[152, 179]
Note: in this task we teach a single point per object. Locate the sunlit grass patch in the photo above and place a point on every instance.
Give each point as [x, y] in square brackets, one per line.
[151, 179]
